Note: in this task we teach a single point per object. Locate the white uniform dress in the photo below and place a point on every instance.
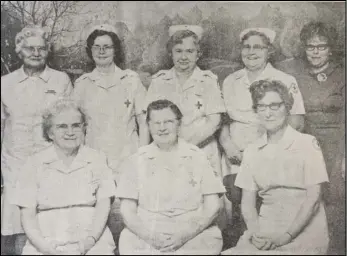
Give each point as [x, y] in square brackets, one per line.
[281, 174]
[112, 105]
[23, 99]
[238, 103]
[65, 197]
[169, 196]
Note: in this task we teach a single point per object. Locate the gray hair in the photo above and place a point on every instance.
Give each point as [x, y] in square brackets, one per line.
[56, 108]
[31, 32]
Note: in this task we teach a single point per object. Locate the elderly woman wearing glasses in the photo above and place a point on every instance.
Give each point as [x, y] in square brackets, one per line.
[323, 85]
[244, 126]
[65, 190]
[25, 93]
[169, 192]
[113, 99]
[286, 169]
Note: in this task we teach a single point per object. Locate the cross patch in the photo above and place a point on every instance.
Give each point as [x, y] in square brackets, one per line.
[198, 105]
[192, 182]
[127, 103]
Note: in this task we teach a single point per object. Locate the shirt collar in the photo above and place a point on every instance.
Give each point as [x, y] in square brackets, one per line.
[195, 76]
[285, 142]
[45, 75]
[96, 76]
[51, 158]
[267, 72]
[330, 69]
[184, 149]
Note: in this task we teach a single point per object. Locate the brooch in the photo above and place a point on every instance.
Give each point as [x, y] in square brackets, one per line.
[321, 77]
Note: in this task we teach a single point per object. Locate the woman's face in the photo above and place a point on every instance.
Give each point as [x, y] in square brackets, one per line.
[185, 55]
[254, 53]
[317, 51]
[67, 131]
[34, 52]
[272, 111]
[103, 50]
[164, 126]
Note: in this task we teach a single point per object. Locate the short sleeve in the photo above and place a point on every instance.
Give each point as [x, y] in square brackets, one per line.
[139, 97]
[211, 182]
[26, 186]
[314, 168]
[245, 178]
[68, 87]
[128, 181]
[298, 105]
[213, 97]
[106, 186]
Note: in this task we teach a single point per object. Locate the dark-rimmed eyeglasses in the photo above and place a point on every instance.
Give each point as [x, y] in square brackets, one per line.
[320, 47]
[272, 106]
[256, 47]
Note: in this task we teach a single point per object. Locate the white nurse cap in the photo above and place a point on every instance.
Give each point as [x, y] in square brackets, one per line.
[269, 33]
[104, 27]
[196, 29]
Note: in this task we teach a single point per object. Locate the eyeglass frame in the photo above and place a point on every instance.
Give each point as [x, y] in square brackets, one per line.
[78, 128]
[105, 48]
[273, 106]
[32, 49]
[255, 47]
[319, 47]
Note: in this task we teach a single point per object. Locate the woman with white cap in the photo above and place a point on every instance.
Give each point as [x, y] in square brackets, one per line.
[25, 93]
[113, 100]
[195, 91]
[244, 128]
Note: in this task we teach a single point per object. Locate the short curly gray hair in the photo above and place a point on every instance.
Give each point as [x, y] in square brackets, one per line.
[31, 32]
[56, 108]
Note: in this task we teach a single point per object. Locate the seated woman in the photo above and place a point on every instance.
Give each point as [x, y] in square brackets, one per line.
[169, 192]
[286, 169]
[65, 190]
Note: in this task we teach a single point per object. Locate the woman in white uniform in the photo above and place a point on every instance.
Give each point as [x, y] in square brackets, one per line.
[65, 191]
[25, 93]
[169, 192]
[195, 91]
[243, 125]
[113, 99]
[286, 169]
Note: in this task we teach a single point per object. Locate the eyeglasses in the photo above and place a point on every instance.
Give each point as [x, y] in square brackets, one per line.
[272, 106]
[76, 127]
[256, 47]
[33, 49]
[105, 48]
[320, 47]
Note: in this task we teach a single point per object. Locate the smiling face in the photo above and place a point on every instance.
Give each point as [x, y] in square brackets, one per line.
[254, 53]
[272, 119]
[185, 55]
[103, 50]
[67, 131]
[34, 52]
[317, 51]
[164, 126]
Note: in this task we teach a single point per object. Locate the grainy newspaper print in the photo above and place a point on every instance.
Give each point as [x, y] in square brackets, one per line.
[173, 127]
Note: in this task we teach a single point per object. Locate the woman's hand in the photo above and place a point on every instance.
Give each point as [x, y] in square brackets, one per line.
[270, 242]
[52, 248]
[86, 244]
[176, 241]
[282, 240]
[158, 240]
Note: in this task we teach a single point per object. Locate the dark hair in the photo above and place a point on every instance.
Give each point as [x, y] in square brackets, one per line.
[118, 51]
[177, 38]
[54, 110]
[258, 90]
[264, 38]
[163, 104]
[318, 29]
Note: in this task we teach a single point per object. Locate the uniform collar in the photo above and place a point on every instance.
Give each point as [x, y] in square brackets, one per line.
[267, 72]
[50, 157]
[45, 75]
[325, 73]
[196, 76]
[184, 149]
[96, 76]
[285, 142]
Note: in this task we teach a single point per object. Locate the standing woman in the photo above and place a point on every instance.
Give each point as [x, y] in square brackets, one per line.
[113, 100]
[322, 82]
[244, 126]
[25, 93]
[195, 91]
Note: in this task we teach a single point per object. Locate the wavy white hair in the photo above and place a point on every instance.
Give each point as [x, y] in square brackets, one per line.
[35, 31]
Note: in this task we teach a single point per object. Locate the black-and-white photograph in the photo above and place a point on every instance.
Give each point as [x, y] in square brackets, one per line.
[173, 128]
